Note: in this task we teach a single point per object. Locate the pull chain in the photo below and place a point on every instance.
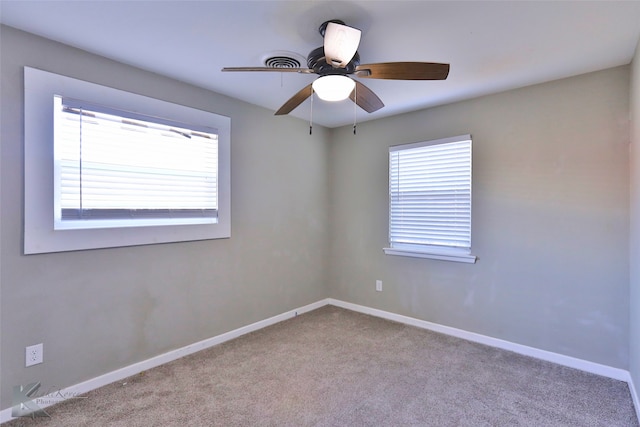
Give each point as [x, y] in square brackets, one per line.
[355, 107]
[311, 114]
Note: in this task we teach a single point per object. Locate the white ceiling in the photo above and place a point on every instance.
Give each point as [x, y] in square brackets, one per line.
[491, 46]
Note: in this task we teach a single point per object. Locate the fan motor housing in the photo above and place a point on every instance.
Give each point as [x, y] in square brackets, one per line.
[318, 63]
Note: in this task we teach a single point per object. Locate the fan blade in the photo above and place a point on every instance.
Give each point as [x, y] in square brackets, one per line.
[365, 98]
[340, 44]
[404, 71]
[279, 70]
[294, 101]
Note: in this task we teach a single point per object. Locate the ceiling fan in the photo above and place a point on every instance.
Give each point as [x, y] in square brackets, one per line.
[338, 59]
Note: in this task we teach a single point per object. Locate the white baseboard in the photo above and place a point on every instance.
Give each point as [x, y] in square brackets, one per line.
[572, 362]
[136, 368]
[634, 396]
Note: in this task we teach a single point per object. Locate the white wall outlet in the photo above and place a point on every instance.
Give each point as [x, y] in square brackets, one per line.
[33, 355]
[379, 285]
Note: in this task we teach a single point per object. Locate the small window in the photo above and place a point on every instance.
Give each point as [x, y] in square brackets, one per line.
[119, 169]
[430, 199]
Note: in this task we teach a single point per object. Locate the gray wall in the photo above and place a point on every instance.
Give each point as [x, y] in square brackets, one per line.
[550, 218]
[634, 332]
[99, 310]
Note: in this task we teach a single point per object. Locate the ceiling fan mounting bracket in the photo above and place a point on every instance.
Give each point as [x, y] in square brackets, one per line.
[318, 63]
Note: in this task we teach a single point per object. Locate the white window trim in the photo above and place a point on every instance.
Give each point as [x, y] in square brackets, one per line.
[441, 253]
[437, 254]
[39, 234]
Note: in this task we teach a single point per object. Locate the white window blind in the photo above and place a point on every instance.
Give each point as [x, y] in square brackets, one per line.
[115, 168]
[430, 195]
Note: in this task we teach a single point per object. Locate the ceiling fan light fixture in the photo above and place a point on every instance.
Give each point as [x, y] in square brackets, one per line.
[340, 44]
[333, 87]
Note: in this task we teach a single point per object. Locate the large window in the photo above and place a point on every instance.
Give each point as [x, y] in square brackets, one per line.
[115, 168]
[430, 199]
[108, 168]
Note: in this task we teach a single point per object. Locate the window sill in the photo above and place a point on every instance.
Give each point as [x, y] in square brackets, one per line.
[442, 256]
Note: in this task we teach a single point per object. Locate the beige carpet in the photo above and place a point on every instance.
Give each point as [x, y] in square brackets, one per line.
[334, 367]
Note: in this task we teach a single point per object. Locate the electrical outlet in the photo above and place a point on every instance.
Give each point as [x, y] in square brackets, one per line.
[379, 285]
[33, 355]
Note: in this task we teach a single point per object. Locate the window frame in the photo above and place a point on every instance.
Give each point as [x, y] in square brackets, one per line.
[39, 233]
[439, 252]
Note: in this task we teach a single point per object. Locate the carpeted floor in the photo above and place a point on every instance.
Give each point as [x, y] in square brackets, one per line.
[334, 367]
